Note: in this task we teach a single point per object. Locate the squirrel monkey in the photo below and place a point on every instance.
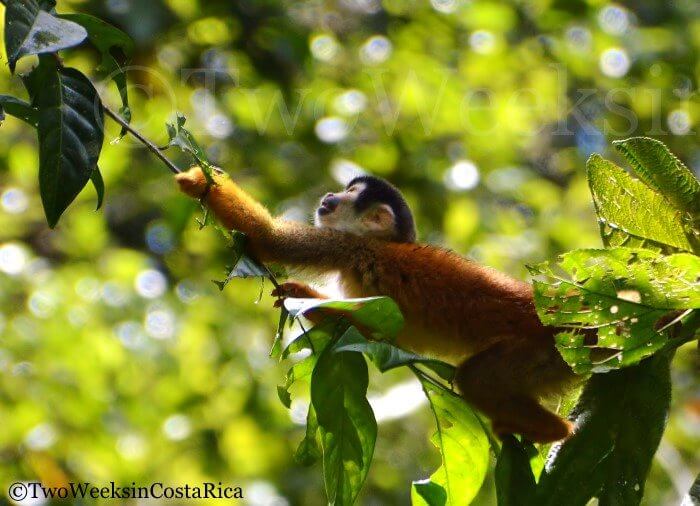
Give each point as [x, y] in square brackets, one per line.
[474, 317]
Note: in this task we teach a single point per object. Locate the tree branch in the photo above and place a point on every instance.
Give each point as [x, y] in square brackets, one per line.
[148, 144]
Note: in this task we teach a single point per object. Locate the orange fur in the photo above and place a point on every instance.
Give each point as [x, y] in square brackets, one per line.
[474, 317]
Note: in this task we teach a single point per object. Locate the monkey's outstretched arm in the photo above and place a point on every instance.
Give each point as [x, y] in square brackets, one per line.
[270, 239]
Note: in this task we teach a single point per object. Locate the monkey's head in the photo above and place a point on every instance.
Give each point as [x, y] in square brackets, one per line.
[368, 206]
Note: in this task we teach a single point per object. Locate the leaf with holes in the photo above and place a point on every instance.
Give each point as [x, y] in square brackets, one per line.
[346, 422]
[115, 48]
[620, 295]
[620, 418]
[71, 133]
[632, 214]
[29, 29]
[464, 449]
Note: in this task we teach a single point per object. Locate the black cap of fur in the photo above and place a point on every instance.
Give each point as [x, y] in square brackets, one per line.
[378, 190]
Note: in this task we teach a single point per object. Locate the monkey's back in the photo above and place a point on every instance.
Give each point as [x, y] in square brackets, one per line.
[454, 308]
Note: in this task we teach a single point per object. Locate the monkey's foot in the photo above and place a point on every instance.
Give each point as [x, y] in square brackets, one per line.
[555, 430]
[294, 290]
[193, 182]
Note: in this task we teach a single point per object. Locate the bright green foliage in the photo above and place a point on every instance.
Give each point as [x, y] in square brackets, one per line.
[71, 131]
[30, 29]
[632, 214]
[659, 169]
[515, 483]
[464, 449]
[346, 424]
[622, 293]
[620, 419]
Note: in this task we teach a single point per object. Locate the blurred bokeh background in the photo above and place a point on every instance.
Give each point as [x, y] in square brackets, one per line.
[120, 359]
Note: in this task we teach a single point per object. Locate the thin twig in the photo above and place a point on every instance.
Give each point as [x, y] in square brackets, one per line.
[151, 146]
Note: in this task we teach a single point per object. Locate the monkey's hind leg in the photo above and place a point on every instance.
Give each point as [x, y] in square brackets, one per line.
[502, 382]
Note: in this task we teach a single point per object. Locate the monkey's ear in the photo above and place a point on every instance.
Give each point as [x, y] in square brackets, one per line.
[379, 219]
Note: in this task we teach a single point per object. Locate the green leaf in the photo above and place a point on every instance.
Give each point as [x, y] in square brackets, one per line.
[182, 138]
[620, 292]
[620, 419]
[515, 483]
[99, 184]
[346, 422]
[71, 132]
[31, 30]
[315, 339]
[632, 214]
[464, 449]
[116, 49]
[19, 109]
[656, 166]
[380, 316]
[386, 356]
[308, 452]
[300, 370]
[276, 349]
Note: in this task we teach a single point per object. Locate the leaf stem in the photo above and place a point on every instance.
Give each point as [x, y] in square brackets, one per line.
[148, 144]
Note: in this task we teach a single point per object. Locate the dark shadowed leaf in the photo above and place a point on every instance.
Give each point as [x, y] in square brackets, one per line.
[464, 449]
[71, 132]
[31, 30]
[346, 422]
[99, 184]
[115, 47]
[620, 419]
[515, 483]
[19, 109]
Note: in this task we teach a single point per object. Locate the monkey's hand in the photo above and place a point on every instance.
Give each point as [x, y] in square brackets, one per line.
[193, 182]
[295, 290]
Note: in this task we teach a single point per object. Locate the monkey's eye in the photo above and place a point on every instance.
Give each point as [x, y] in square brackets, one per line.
[352, 189]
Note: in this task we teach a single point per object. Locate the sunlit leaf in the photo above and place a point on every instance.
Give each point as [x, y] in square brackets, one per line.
[31, 30]
[71, 132]
[622, 293]
[631, 213]
[656, 166]
[464, 450]
[620, 419]
[308, 452]
[346, 422]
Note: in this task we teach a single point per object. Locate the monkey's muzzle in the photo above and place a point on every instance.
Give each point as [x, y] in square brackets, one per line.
[328, 204]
